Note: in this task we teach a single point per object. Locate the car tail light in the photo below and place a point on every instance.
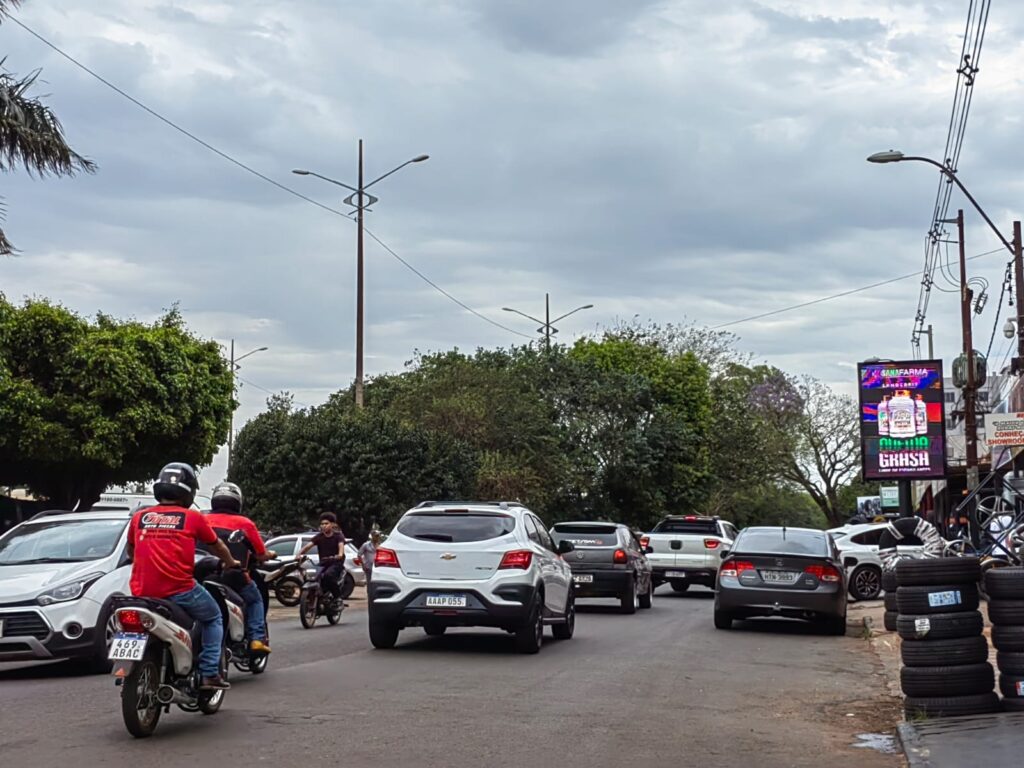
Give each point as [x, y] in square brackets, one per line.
[735, 567]
[133, 621]
[711, 543]
[825, 573]
[386, 558]
[519, 558]
[620, 557]
[358, 561]
[645, 541]
[690, 518]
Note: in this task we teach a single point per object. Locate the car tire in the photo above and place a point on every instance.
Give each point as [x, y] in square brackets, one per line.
[565, 630]
[679, 585]
[961, 680]
[950, 706]
[938, 571]
[940, 626]
[944, 653]
[1006, 613]
[835, 625]
[723, 620]
[918, 600]
[890, 601]
[530, 635]
[889, 580]
[866, 582]
[1010, 663]
[889, 620]
[627, 599]
[434, 630]
[98, 663]
[1005, 583]
[1011, 686]
[647, 598]
[1007, 638]
[383, 635]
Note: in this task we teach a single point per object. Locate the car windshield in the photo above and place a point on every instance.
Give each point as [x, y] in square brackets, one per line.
[782, 542]
[695, 526]
[456, 527]
[586, 535]
[60, 541]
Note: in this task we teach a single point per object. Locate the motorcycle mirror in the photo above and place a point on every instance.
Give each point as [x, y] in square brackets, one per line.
[236, 537]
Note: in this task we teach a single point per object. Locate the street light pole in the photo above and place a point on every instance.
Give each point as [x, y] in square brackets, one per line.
[970, 393]
[547, 325]
[547, 322]
[231, 423]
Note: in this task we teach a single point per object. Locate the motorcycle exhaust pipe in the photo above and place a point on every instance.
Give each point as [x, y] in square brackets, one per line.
[167, 694]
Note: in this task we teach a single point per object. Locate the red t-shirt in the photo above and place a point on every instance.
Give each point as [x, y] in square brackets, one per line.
[164, 539]
[227, 522]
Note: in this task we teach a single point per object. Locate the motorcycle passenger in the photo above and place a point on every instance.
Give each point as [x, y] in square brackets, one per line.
[162, 545]
[226, 517]
[330, 548]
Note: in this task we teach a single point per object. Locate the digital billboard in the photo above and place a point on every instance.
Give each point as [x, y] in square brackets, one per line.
[902, 420]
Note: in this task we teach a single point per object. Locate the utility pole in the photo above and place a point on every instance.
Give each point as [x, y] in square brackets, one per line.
[970, 394]
[931, 344]
[359, 285]
[1018, 271]
[547, 322]
[231, 423]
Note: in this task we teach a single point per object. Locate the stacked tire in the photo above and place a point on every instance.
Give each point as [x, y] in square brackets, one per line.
[891, 609]
[1005, 588]
[945, 655]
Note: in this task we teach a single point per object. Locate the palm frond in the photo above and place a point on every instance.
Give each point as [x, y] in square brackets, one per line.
[6, 6]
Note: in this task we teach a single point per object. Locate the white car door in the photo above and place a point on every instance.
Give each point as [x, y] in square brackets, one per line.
[553, 569]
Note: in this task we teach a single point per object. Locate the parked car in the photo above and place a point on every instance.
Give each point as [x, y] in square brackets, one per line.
[58, 572]
[608, 561]
[859, 547]
[471, 564]
[687, 549]
[778, 571]
[287, 547]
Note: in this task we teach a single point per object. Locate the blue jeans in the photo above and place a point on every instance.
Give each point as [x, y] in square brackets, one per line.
[255, 621]
[200, 605]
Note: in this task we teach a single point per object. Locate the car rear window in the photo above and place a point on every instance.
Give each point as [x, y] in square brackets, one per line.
[698, 527]
[782, 542]
[456, 527]
[586, 535]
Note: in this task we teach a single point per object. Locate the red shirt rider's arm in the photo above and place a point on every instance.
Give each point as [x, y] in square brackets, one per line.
[253, 534]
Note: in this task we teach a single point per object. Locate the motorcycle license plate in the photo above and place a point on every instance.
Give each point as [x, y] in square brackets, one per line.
[446, 601]
[128, 646]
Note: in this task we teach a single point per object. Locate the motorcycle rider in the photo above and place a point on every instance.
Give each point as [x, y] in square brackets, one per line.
[226, 517]
[330, 547]
[162, 546]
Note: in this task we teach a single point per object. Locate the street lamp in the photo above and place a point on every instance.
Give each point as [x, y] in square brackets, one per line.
[547, 325]
[234, 367]
[356, 200]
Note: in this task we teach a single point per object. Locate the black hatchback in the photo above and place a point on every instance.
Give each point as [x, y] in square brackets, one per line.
[607, 561]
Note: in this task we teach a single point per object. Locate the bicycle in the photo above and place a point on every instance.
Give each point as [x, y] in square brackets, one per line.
[315, 601]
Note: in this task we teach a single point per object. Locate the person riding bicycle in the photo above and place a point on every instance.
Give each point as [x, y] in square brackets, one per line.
[226, 517]
[330, 548]
[162, 547]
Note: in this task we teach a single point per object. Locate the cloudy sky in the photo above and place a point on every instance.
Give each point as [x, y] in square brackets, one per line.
[679, 160]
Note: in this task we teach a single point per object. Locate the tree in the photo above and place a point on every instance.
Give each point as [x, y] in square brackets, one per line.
[87, 405]
[31, 136]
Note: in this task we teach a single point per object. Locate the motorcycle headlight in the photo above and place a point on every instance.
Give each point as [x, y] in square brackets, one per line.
[70, 591]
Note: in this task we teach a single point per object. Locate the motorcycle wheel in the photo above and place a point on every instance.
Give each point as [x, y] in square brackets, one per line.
[209, 701]
[258, 663]
[288, 591]
[308, 608]
[333, 616]
[139, 707]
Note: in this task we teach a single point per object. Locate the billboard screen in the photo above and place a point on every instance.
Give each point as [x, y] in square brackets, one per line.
[902, 421]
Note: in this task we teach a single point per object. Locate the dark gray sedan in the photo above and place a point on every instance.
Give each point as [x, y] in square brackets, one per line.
[791, 572]
[607, 561]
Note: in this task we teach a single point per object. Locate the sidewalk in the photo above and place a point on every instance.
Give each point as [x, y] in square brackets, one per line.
[951, 742]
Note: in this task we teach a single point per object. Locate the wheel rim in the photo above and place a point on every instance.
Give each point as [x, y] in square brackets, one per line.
[310, 610]
[868, 582]
[539, 626]
[109, 630]
[145, 696]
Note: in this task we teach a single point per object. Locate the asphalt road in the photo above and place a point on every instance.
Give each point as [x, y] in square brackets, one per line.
[661, 688]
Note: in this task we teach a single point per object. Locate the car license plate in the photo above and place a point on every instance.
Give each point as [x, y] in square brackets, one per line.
[675, 574]
[583, 578]
[446, 601]
[779, 577]
[128, 646]
[937, 599]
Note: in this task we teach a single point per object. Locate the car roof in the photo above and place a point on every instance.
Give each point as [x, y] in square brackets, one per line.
[781, 528]
[493, 507]
[61, 515]
[570, 523]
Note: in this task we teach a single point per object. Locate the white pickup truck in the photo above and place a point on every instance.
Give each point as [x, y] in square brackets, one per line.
[687, 549]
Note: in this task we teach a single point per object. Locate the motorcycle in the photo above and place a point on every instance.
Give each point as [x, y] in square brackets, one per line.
[281, 578]
[222, 586]
[316, 601]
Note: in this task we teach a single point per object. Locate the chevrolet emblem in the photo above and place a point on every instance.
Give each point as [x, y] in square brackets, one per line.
[447, 556]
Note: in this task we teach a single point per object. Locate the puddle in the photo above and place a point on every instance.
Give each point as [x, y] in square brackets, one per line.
[880, 742]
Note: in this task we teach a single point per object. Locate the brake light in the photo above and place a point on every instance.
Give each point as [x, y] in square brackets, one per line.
[133, 621]
[358, 561]
[519, 558]
[386, 558]
[735, 567]
[826, 573]
[645, 541]
[620, 557]
[711, 543]
[690, 518]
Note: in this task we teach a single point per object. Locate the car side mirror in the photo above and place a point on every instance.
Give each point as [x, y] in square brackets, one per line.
[725, 552]
[565, 547]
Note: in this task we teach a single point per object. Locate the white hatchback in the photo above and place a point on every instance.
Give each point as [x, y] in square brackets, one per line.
[471, 564]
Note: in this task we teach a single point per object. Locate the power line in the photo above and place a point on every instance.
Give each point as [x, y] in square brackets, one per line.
[840, 295]
[269, 392]
[249, 169]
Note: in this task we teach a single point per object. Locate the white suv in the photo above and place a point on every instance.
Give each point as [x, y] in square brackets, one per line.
[471, 564]
[58, 572]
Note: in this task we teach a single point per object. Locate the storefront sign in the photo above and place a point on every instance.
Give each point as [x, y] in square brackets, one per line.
[1005, 430]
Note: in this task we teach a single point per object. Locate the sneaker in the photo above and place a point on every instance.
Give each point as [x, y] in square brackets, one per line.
[217, 683]
[259, 646]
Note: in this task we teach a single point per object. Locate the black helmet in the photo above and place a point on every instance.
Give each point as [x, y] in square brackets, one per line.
[177, 484]
[227, 496]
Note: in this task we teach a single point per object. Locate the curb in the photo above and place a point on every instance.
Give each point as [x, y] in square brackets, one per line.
[910, 743]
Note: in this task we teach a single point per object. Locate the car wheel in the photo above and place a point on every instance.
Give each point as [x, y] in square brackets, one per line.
[565, 630]
[835, 625]
[866, 582]
[679, 585]
[648, 596]
[383, 635]
[723, 619]
[99, 663]
[530, 636]
[628, 598]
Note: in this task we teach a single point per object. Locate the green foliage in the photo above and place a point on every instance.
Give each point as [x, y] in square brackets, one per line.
[86, 405]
